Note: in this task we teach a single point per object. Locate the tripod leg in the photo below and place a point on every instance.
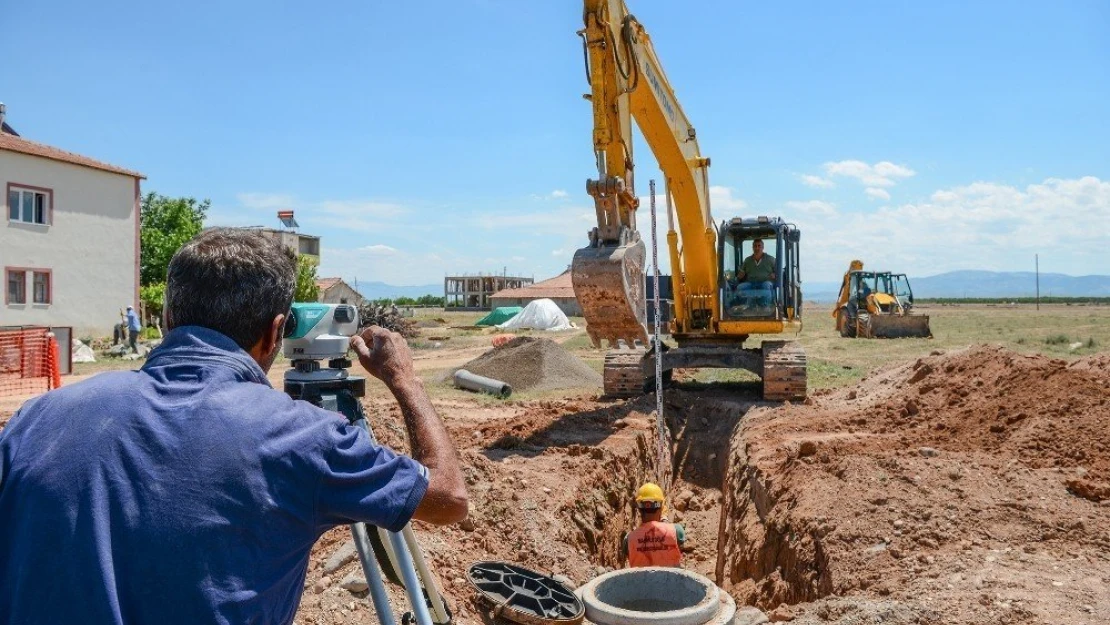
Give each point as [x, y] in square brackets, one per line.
[412, 584]
[439, 608]
[373, 575]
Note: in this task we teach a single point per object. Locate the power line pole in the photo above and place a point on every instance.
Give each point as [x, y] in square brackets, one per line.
[1037, 265]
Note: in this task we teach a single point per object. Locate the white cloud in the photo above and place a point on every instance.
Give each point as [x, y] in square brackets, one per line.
[875, 192]
[810, 180]
[557, 194]
[379, 250]
[811, 207]
[982, 225]
[558, 252]
[722, 202]
[881, 174]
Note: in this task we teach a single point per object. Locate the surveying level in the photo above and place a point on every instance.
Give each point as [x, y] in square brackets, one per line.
[315, 332]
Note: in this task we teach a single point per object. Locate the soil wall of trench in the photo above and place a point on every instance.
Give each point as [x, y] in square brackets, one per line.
[604, 511]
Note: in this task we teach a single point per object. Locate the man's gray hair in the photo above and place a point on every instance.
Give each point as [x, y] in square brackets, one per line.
[232, 281]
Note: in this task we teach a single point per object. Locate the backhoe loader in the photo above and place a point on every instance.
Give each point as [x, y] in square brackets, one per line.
[877, 304]
[716, 308]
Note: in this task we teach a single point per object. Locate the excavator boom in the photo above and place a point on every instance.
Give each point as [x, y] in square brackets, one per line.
[627, 83]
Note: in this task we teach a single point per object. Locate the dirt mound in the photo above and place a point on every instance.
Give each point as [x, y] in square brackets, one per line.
[1041, 410]
[920, 481]
[1097, 362]
[534, 364]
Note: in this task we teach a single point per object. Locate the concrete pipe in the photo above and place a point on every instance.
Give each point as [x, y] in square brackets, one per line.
[656, 596]
[482, 384]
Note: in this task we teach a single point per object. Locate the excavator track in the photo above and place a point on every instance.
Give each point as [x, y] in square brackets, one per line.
[784, 371]
[609, 285]
[623, 374]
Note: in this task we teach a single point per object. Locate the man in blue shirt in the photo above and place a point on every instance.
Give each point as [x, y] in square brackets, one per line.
[133, 327]
[191, 491]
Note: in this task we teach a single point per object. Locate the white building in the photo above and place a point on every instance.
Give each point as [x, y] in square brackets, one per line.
[69, 248]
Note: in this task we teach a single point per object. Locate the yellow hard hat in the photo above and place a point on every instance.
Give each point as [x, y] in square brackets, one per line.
[649, 492]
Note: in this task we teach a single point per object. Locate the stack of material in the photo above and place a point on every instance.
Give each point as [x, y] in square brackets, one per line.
[541, 314]
[388, 318]
[499, 315]
[531, 364]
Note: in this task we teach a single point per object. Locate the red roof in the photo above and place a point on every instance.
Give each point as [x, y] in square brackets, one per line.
[558, 287]
[13, 143]
[326, 283]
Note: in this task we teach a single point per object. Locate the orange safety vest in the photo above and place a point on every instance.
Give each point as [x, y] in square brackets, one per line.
[654, 544]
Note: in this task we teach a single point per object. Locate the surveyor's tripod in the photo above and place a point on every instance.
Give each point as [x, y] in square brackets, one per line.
[396, 554]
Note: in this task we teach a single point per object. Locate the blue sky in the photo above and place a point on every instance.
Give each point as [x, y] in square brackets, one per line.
[425, 138]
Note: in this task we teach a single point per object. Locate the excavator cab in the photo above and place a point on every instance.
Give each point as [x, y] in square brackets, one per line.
[768, 288]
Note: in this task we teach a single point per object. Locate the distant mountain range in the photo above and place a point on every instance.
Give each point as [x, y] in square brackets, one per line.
[986, 284]
[381, 290]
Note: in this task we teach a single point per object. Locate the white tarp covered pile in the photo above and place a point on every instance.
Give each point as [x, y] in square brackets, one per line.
[82, 352]
[540, 314]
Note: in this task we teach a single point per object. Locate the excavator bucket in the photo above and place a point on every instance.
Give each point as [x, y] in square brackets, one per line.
[609, 285]
[899, 326]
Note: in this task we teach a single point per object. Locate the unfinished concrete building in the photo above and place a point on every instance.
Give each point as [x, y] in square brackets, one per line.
[474, 292]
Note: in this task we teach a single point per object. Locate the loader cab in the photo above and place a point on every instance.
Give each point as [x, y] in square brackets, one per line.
[861, 284]
[900, 288]
[779, 297]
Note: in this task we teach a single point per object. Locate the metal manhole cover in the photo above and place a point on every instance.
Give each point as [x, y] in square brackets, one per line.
[524, 596]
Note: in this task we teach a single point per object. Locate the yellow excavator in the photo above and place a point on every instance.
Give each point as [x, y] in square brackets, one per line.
[877, 304]
[718, 304]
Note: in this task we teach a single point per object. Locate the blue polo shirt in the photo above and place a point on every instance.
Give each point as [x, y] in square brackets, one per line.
[189, 491]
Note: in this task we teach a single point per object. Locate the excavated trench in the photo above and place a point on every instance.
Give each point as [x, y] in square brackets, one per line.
[728, 509]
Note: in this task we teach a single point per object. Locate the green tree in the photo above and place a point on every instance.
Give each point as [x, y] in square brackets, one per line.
[153, 296]
[306, 289]
[166, 224]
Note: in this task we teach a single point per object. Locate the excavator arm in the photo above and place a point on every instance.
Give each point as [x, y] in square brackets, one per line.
[628, 82]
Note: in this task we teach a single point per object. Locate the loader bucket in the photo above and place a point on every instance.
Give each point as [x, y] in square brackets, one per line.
[609, 285]
[899, 326]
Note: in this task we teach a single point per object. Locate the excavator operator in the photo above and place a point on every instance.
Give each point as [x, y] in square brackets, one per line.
[655, 542]
[757, 270]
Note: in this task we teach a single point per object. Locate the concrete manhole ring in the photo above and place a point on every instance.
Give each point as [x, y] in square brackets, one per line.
[655, 596]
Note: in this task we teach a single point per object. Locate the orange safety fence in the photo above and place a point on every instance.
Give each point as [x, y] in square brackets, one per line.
[28, 362]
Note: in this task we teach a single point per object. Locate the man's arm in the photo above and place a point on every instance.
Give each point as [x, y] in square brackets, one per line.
[742, 274]
[386, 356]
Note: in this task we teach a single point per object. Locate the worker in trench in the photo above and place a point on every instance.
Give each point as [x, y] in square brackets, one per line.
[655, 542]
[191, 491]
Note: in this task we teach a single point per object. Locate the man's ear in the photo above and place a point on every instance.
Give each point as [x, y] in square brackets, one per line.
[276, 333]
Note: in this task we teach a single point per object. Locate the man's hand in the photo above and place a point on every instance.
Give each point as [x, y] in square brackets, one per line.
[384, 354]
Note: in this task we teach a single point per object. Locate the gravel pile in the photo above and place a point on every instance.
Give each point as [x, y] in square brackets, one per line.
[534, 364]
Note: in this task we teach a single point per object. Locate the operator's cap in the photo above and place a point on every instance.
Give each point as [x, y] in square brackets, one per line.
[130, 308]
[650, 496]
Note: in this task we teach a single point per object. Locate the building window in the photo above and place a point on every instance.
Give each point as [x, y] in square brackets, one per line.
[40, 287]
[29, 205]
[17, 286]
